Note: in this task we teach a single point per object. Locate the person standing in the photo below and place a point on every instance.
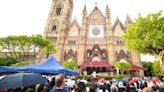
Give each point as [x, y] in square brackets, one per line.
[121, 87]
[60, 84]
[80, 87]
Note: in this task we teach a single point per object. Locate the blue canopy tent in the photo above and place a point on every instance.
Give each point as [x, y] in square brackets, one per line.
[8, 69]
[50, 66]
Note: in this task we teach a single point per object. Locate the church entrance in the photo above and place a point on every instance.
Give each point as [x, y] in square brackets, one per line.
[96, 54]
[96, 57]
[97, 66]
[98, 70]
[96, 60]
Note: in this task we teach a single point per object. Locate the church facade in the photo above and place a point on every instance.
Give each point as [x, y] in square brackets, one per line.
[96, 39]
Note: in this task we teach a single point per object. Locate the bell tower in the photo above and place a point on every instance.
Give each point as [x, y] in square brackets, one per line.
[57, 24]
[81, 51]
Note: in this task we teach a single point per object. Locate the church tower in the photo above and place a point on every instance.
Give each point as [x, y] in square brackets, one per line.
[57, 24]
[110, 45]
[81, 52]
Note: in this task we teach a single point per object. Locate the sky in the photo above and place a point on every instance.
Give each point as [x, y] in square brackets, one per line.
[27, 17]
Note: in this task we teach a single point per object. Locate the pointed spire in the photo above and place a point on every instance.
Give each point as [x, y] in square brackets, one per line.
[128, 19]
[107, 12]
[85, 9]
[107, 8]
[118, 20]
[74, 22]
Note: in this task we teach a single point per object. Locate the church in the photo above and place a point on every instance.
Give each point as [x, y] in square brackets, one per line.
[95, 39]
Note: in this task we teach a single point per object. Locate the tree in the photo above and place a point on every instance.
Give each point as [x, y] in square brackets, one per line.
[122, 66]
[7, 61]
[41, 45]
[9, 43]
[21, 63]
[149, 67]
[157, 69]
[146, 35]
[25, 48]
[70, 64]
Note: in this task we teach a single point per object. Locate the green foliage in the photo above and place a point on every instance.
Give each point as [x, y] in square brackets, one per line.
[70, 64]
[149, 67]
[122, 65]
[21, 63]
[7, 61]
[85, 76]
[156, 68]
[22, 47]
[91, 76]
[146, 34]
[106, 76]
[50, 49]
[118, 76]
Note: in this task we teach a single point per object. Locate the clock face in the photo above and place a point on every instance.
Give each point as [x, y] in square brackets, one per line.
[96, 31]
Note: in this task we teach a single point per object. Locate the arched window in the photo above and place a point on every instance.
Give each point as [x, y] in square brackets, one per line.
[58, 10]
[96, 58]
[103, 54]
[54, 27]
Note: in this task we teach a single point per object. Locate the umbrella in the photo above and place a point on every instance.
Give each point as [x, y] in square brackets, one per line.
[132, 81]
[21, 80]
[155, 80]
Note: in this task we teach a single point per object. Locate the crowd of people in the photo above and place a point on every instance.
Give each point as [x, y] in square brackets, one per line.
[116, 85]
[61, 84]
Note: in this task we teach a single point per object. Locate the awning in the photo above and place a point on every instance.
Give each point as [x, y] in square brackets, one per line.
[96, 64]
[137, 68]
[49, 66]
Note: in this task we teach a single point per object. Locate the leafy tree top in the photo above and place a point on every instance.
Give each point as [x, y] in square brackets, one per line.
[71, 64]
[21, 63]
[146, 34]
[23, 46]
[122, 65]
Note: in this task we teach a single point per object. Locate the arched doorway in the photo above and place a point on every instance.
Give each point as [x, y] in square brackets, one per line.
[96, 57]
